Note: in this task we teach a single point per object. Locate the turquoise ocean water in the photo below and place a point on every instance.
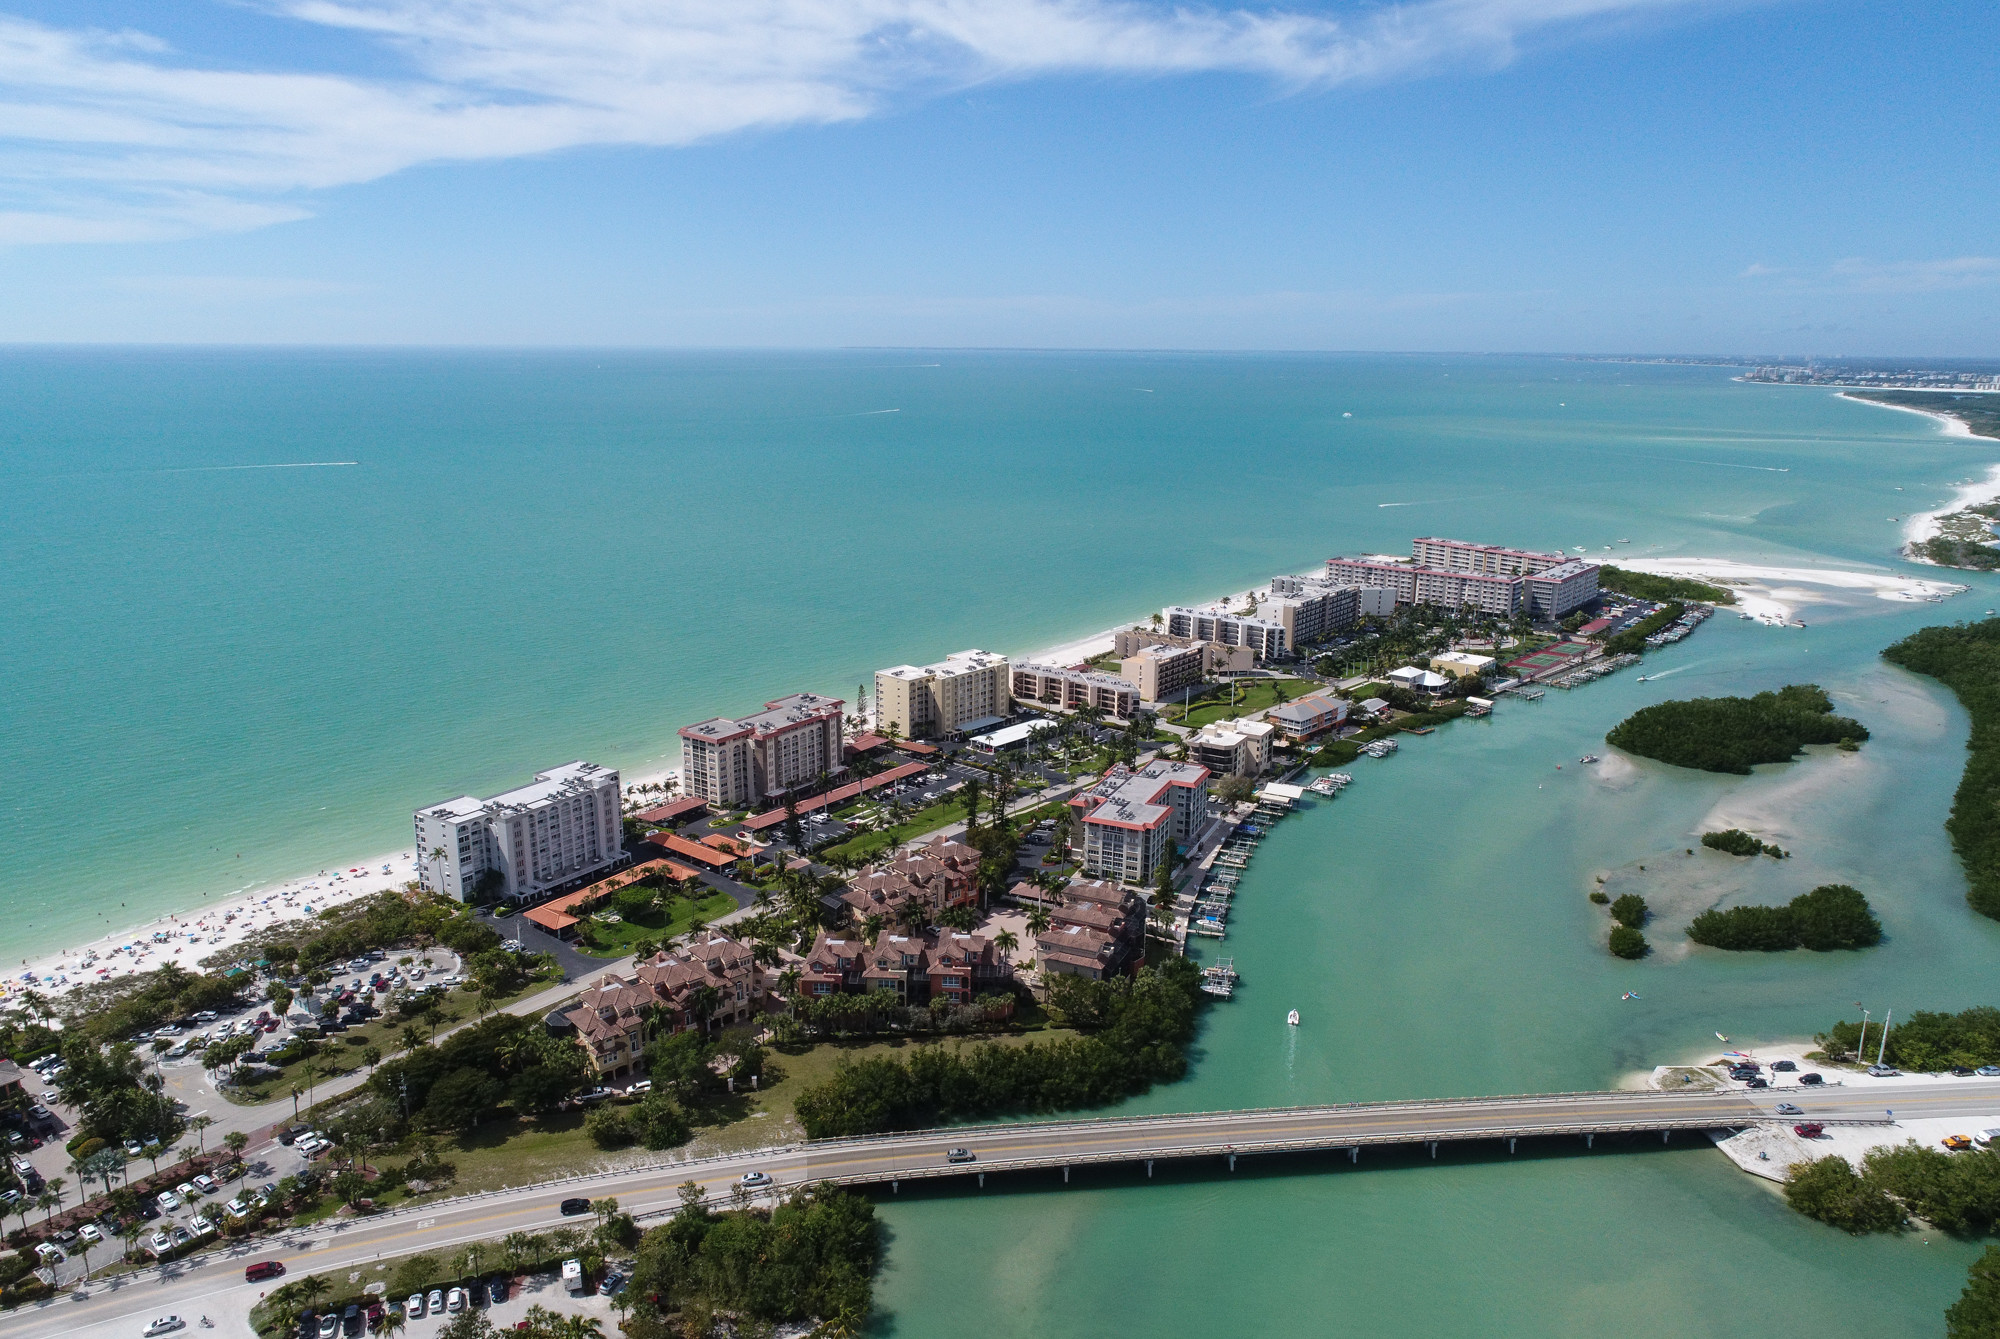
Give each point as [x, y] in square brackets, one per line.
[215, 676]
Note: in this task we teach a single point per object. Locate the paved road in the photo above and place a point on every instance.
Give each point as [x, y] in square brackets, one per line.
[215, 1281]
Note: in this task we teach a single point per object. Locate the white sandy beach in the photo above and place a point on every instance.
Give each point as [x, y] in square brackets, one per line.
[1775, 594]
[189, 937]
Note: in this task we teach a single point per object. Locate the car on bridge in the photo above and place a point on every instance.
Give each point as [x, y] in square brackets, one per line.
[574, 1205]
[959, 1155]
[1789, 1109]
[752, 1180]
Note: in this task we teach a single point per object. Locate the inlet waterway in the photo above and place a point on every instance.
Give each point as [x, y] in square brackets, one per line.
[222, 677]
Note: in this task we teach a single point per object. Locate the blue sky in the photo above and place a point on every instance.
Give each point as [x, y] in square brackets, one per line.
[1802, 176]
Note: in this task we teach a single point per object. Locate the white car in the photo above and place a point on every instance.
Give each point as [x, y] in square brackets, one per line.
[435, 1301]
[200, 1225]
[752, 1180]
[134, 1149]
[166, 1325]
[91, 1233]
[237, 1208]
[161, 1243]
[50, 1253]
[169, 1201]
[186, 1191]
[454, 1301]
[205, 1184]
[414, 1308]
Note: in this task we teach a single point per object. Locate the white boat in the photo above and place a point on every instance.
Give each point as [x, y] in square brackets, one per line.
[1588, 757]
[1293, 1018]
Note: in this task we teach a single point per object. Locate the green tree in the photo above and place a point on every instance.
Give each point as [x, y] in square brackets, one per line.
[1627, 942]
[1630, 910]
[1976, 1313]
[1828, 1189]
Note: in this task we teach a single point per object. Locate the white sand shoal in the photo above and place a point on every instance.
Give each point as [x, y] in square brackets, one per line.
[1775, 594]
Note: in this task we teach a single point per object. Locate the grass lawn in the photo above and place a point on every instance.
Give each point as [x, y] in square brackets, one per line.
[870, 844]
[1251, 695]
[614, 939]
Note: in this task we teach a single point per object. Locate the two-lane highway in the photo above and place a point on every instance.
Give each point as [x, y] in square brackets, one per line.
[335, 1249]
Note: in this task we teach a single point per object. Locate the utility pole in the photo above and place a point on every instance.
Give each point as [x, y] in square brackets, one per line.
[1861, 1047]
[1884, 1048]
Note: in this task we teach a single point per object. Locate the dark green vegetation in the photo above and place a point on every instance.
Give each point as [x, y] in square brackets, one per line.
[1134, 1031]
[1630, 910]
[1924, 1042]
[1627, 942]
[1738, 842]
[1730, 734]
[1979, 413]
[1832, 916]
[1632, 641]
[1649, 587]
[1966, 659]
[1958, 1193]
[1976, 1313]
[1967, 551]
[811, 1258]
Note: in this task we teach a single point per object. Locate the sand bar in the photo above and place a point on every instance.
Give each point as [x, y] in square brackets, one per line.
[1775, 594]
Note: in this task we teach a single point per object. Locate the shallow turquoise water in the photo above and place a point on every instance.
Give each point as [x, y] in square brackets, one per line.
[215, 677]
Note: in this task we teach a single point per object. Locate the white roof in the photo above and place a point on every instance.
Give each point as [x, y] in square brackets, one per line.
[1013, 734]
[1279, 790]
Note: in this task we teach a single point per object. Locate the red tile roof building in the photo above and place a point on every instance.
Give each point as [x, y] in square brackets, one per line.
[1098, 931]
[943, 874]
[617, 1016]
[937, 964]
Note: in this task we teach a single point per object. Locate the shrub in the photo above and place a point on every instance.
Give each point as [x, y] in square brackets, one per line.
[1738, 842]
[1832, 916]
[661, 1123]
[1976, 1313]
[1829, 1190]
[1629, 910]
[608, 1128]
[1731, 734]
[1599, 896]
[1966, 659]
[1627, 942]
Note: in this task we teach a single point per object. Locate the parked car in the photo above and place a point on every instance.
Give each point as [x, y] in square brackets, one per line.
[200, 1226]
[1957, 1143]
[1756, 1083]
[435, 1302]
[1962, 1071]
[496, 1287]
[91, 1233]
[1883, 1072]
[1988, 1071]
[1810, 1080]
[168, 1200]
[161, 1243]
[1810, 1129]
[134, 1149]
[413, 1309]
[165, 1325]
[454, 1301]
[205, 1184]
[1783, 1067]
[50, 1253]
[329, 1327]
[263, 1269]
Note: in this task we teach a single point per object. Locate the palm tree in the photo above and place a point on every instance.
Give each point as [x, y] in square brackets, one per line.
[297, 1092]
[1006, 942]
[199, 1124]
[236, 1141]
[871, 927]
[788, 983]
[516, 1248]
[312, 1288]
[371, 1056]
[392, 1322]
[1038, 920]
[411, 1037]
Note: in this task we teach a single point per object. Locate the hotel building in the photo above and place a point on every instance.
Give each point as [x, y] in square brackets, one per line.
[556, 831]
[1057, 686]
[792, 742]
[925, 701]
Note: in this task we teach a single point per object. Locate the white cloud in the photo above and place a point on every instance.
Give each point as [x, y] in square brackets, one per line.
[1858, 275]
[113, 136]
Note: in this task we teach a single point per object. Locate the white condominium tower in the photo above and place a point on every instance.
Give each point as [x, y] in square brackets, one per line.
[559, 829]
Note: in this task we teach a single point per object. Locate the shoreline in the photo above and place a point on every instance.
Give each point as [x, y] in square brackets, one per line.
[212, 928]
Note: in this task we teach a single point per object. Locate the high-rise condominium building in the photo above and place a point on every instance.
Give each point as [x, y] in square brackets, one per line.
[925, 701]
[792, 742]
[558, 830]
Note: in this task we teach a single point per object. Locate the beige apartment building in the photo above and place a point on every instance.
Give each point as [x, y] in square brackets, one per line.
[926, 701]
[1158, 672]
[792, 742]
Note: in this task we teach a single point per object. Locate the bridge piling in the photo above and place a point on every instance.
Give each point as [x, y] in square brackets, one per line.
[1590, 1141]
[895, 1187]
[1232, 1162]
[1433, 1147]
[1666, 1135]
[1354, 1154]
[1510, 1145]
[1065, 1175]
[1149, 1169]
[982, 1180]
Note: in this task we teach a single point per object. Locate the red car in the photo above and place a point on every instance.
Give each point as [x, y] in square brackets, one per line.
[1811, 1129]
[263, 1269]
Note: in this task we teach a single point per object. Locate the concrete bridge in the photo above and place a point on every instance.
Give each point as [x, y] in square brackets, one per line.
[213, 1282]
